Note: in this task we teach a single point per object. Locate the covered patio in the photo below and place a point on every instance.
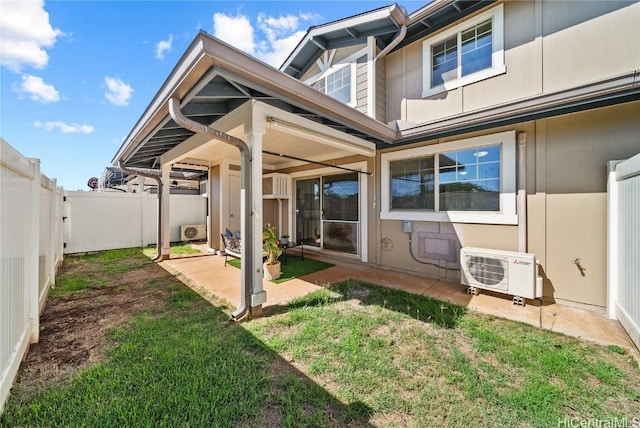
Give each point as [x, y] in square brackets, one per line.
[252, 126]
[586, 324]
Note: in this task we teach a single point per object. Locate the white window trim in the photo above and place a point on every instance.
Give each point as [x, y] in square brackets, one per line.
[350, 61]
[507, 213]
[497, 57]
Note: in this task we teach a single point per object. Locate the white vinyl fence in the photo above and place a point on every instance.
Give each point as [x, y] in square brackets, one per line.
[30, 252]
[106, 220]
[624, 245]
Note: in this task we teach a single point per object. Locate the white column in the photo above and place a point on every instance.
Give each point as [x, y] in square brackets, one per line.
[165, 234]
[254, 133]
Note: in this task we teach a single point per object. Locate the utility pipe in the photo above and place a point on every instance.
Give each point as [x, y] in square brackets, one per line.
[522, 192]
[245, 204]
[156, 177]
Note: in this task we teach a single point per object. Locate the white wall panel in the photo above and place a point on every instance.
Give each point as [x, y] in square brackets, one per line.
[98, 221]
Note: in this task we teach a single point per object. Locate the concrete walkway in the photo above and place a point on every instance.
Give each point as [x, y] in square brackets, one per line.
[209, 273]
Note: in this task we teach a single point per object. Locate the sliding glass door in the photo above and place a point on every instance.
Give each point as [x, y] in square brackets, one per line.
[329, 218]
[340, 209]
[308, 211]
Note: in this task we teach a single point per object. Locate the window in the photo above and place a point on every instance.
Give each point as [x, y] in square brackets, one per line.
[464, 54]
[466, 181]
[338, 84]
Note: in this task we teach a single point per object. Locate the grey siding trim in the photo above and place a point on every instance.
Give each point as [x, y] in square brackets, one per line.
[361, 84]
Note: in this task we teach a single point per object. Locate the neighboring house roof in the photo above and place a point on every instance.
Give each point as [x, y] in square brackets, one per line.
[383, 23]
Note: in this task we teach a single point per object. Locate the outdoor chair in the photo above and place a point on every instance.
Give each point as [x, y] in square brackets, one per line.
[232, 247]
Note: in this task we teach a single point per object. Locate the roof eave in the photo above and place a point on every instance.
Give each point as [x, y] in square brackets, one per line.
[206, 52]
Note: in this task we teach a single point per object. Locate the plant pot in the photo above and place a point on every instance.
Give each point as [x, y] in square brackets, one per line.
[271, 272]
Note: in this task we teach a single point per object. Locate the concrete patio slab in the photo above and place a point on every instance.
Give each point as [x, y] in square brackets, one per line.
[208, 272]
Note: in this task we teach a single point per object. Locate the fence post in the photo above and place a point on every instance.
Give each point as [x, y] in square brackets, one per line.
[612, 239]
[33, 253]
[53, 239]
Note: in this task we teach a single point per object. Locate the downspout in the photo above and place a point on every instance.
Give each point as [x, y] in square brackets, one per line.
[246, 202]
[522, 192]
[395, 42]
[123, 168]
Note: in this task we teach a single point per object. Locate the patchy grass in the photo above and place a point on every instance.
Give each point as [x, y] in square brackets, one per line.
[353, 354]
[181, 249]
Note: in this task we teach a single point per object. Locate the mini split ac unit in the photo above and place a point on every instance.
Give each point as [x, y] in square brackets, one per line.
[501, 271]
[193, 232]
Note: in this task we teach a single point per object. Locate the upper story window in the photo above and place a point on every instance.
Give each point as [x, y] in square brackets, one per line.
[339, 83]
[466, 53]
[336, 84]
[465, 181]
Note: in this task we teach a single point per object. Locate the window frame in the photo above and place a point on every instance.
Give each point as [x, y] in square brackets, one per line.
[332, 70]
[496, 14]
[507, 213]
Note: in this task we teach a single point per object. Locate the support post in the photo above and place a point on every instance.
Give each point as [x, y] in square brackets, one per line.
[165, 235]
[254, 133]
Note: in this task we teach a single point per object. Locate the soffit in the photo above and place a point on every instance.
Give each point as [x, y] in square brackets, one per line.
[383, 23]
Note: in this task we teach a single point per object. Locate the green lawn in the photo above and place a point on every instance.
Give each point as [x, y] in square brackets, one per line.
[352, 355]
[294, 267]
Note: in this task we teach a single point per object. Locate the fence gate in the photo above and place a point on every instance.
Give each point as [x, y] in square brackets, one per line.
[624, 245]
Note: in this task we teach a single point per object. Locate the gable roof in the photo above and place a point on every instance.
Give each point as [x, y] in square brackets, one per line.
[212, 79]
[383, 23]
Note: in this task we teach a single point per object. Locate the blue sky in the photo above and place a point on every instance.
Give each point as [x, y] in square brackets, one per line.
[77, 75]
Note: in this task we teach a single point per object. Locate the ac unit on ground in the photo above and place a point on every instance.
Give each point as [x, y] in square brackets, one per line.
[193, 232]
[501, 271]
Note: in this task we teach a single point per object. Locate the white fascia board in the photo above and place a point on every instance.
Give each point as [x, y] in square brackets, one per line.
[188, 60]
[342, 24]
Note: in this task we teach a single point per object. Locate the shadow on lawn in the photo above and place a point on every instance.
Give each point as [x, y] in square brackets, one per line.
[422, 308]
[175, 362]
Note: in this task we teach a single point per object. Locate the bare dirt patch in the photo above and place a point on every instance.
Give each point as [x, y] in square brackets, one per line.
[73, 328]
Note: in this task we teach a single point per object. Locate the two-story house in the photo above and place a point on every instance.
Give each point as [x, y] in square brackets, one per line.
[397, 139]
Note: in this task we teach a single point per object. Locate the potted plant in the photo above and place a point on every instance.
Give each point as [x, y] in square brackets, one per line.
[271, 247]
[284, 239]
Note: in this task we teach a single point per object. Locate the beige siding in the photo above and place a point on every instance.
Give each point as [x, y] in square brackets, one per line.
[566, 187]
[381, 91]
[361, 84]
[586, 41]
[549, 46]
[577, 148]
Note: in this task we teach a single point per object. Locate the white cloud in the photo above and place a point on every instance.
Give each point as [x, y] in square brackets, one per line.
[163, 46]
[25, 32]
[118, 92]
[273, 39]
[66, 128]
[38, 90]
[235, 30]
